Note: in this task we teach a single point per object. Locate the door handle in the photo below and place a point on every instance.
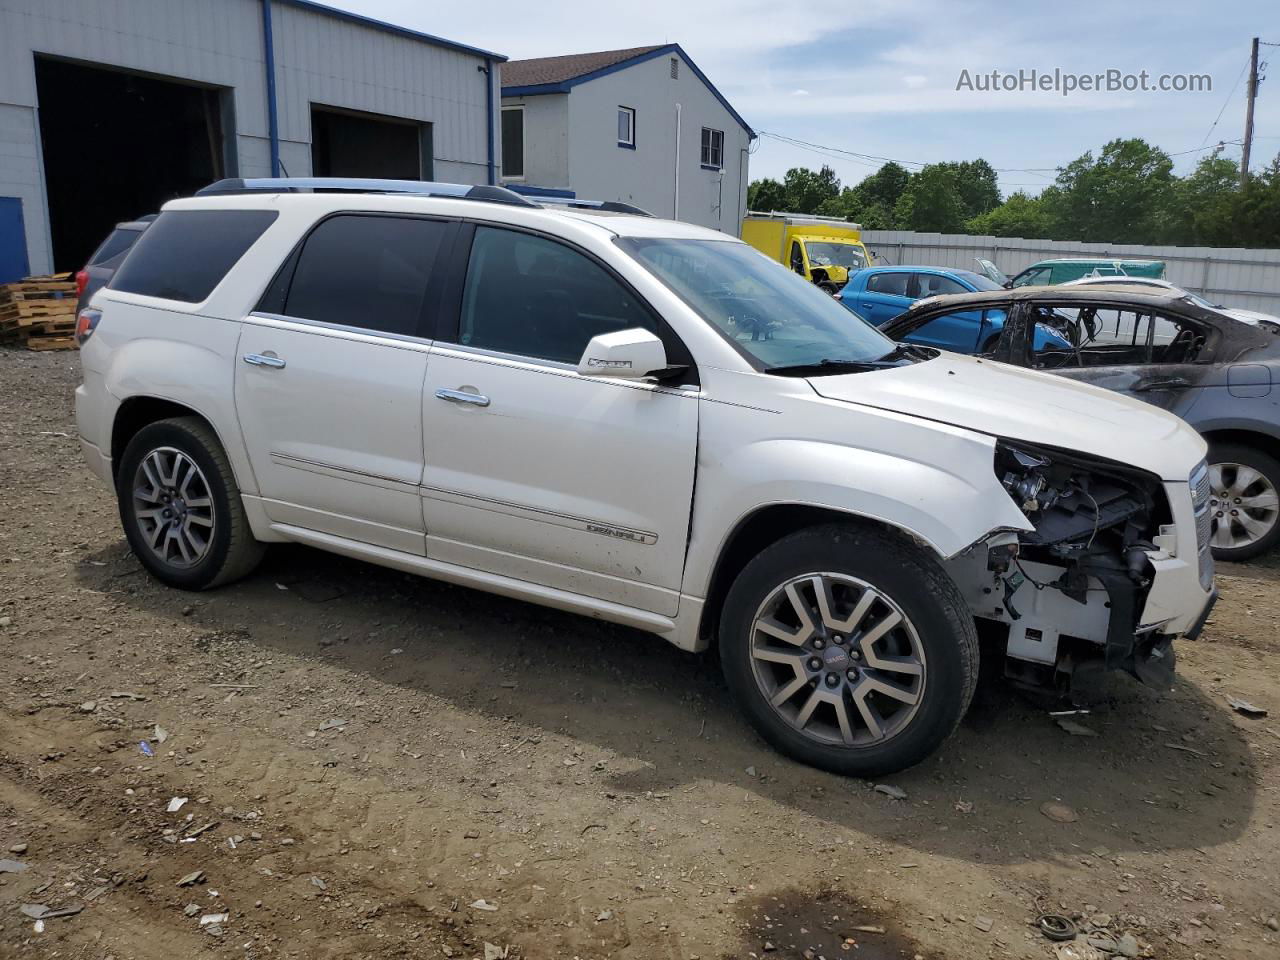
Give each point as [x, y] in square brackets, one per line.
[1167, 383]
[261, 360]
[461, 396]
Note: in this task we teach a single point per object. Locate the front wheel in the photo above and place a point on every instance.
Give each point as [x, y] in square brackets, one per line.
[1244, 501]
[180, 508]
[828, 287]
[849, 649]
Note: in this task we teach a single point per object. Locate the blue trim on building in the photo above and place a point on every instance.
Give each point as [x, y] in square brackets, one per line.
[273, 117]
[530, 191]
[488, 113]
[392, 28]
[564, 86]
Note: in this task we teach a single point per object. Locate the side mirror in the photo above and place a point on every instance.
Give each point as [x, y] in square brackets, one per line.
[627, 354]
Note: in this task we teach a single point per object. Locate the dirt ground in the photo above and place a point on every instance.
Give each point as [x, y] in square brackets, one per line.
[379, 766]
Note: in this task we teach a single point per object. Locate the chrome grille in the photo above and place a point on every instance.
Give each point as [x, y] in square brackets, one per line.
[1199, 483]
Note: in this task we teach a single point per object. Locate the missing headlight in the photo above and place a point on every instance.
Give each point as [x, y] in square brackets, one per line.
[1071, 502]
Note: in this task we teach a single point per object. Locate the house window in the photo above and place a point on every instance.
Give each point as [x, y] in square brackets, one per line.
[675, 68]
[627, 127]
[712, 148]
[513, 143]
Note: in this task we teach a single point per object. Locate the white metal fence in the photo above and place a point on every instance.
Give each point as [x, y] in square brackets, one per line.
[1232, 276]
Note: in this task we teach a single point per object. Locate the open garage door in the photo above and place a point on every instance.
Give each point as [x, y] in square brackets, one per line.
[349, 144]
[117, 145]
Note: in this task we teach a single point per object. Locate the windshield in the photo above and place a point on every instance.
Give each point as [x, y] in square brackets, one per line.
[774, 317]
[823, 254]
[980, 282]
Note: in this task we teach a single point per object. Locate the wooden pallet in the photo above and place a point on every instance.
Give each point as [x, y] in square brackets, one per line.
[51, 343]
[39, 312]
[32, 311]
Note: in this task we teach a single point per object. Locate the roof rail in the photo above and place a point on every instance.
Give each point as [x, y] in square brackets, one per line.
[604, 206]
[804, 217]
[462, 191]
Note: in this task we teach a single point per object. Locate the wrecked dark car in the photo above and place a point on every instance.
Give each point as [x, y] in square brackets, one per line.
[1218, 372]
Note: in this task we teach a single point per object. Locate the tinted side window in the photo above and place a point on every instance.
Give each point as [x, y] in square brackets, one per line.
[932, 285]
[894, 284]
[117, 242]
[1032, 277]
[184, 254]
[366, 271]
[533, 297]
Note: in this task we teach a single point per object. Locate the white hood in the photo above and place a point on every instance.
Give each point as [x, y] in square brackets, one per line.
[1006, 401]
[1250, 316]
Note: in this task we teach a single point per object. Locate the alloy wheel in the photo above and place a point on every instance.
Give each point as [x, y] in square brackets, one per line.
[173, 508]
[838, 660]
[1243, 505]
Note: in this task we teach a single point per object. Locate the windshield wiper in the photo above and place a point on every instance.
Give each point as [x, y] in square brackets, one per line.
[900, 355]
[828, 366]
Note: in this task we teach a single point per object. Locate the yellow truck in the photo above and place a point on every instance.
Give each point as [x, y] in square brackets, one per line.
[823, 250]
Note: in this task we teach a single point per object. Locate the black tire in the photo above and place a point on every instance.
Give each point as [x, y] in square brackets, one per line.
[231, 551]
[899, 570]
[1269, 467]
[829, 287]
[990, 345]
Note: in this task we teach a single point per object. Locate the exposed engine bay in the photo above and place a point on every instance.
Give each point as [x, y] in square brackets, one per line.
[1069, 593]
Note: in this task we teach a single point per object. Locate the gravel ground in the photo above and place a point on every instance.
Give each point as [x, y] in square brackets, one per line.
[379, 766]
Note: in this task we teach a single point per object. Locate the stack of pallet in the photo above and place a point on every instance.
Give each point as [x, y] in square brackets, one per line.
[39, 312]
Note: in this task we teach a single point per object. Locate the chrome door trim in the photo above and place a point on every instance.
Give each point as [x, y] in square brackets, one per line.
[523, 511]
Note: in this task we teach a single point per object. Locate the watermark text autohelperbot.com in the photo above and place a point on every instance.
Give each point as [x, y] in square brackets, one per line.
[1065, 83]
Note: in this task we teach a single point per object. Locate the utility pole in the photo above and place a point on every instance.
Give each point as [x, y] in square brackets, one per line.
[1248, 115]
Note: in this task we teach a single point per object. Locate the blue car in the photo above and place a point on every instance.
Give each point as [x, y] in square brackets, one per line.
[878, 294]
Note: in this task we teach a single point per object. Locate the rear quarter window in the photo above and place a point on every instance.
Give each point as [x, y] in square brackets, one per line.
[186, 253]
[118, 241]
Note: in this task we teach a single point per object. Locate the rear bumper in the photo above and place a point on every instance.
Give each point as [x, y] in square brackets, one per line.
[99, 462]
[92, 412]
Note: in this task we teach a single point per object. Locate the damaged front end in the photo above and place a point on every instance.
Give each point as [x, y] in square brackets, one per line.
[1070, 594]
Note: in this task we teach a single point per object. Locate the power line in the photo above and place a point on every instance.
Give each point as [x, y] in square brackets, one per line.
[1225, 103]
[872, 159]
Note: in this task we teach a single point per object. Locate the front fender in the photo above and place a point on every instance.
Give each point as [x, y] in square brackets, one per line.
[949, 497]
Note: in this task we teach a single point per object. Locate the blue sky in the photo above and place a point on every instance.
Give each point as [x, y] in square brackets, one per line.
[879, 78]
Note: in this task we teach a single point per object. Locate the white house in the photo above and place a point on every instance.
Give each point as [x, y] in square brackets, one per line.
[644, 126]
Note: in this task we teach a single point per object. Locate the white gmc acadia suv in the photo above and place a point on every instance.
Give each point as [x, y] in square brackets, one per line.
[641, 421]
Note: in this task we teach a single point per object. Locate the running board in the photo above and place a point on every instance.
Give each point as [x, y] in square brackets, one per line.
[478, 579]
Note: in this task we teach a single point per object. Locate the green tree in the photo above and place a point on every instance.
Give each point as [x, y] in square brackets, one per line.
[766, 195]
[1203, 203]
[882, 188]
[1122, 196]
[931, 201]
[807, 190]
[978, 185]
[1020, 215]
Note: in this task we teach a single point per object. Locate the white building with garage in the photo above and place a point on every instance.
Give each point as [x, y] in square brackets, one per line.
[107, 110]
[642, 126]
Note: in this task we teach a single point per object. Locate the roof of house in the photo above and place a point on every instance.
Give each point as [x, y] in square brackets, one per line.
[527, 78]
[540, 70]
[339, 14]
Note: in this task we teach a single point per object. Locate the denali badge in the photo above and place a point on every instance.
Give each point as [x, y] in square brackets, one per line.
[615, 364]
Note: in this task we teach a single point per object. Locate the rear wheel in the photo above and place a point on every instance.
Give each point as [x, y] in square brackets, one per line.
[849, 649]
[180, 508]
[829, 287]
[1244, 501]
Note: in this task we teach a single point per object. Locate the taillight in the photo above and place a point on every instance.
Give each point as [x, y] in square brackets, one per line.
[82, 281]
[86, 323]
